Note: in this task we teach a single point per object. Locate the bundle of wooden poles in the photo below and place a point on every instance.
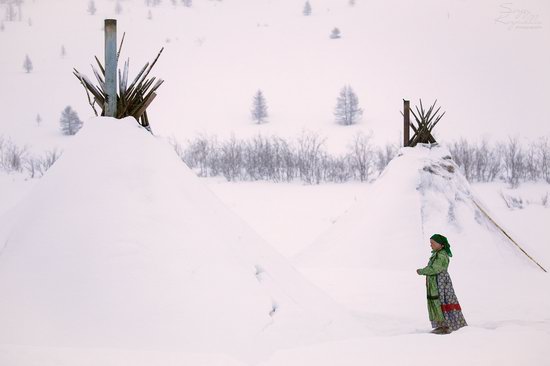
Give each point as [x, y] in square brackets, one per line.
[132, 99]
[426, 120]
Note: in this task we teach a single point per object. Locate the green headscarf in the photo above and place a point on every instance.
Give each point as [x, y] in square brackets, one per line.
[438, 238]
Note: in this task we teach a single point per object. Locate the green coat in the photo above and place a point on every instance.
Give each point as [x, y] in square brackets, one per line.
[439, 262]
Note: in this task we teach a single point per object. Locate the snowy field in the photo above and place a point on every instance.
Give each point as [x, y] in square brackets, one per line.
[506, 307]
[121, 256]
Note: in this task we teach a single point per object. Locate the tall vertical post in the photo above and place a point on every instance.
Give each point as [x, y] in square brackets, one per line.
[110, 67]
[406, 122]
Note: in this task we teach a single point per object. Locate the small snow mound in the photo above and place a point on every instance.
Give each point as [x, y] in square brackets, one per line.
[121, 246]
[421, 192]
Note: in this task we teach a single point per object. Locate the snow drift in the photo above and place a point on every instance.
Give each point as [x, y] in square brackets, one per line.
[121, 246]
[421, 192]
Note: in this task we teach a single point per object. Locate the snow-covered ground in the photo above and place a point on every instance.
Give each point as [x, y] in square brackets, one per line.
[506, 307]
[485, 62]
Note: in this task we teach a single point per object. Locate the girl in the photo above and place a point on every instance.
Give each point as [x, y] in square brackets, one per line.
[443, 307]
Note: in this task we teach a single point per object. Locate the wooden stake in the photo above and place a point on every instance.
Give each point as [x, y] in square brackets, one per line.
[110, 68]
[406, 122]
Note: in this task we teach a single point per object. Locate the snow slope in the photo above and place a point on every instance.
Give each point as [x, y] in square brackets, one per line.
[421, 192]
[121, 246]
[506, 308]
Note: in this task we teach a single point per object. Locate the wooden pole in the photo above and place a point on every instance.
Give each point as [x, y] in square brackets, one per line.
[110, 68]
[406, 122]
[506, 235]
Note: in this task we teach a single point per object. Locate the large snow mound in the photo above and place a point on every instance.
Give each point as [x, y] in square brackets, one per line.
[421, 192]
[121, 246]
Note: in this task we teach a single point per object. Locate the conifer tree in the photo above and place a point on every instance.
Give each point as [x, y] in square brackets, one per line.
[27, 64]
[69, 121]
[335, 34]
[347, 111]
[259, 108]
[307, 9]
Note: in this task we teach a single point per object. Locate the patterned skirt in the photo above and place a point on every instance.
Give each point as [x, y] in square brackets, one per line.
[452, 313]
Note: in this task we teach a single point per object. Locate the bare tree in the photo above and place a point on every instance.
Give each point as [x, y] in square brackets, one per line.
[544, 148]
[463, 155]
[384, 156]
[12, 157]
[362, 156]
[513, 161]
[10, 12]
[19, 4]
[231, 159]
[309, 157]
[532, 163]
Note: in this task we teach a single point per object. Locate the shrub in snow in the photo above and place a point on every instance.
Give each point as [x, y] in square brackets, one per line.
[544, 155]
[91, 7]
[231, 159]
[10, 11]
[362, 156]
[2, 27]
[347, 111]
[12, 157]
[512, 202]
[513, 160]
[69, 121]
[118, 8]
[187, 3]
[27, 64]
[335, 34]
[384, 155]
[305, 158]
[307, 9]
[478, 162]
[279, 160]
[37, 166]
[259, 108]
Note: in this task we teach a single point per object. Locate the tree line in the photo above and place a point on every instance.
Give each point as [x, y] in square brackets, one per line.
[273, 158]
[305, 158]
